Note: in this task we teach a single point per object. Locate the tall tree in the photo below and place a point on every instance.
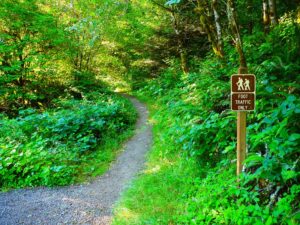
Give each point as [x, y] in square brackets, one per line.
[209, 25]
[266, 16]
[218, 28]
[273, 14]
[179, 24]
[250, 13]
[26, 41]
[232, 18]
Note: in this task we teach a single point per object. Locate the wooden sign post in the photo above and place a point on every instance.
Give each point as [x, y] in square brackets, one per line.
[243, 87]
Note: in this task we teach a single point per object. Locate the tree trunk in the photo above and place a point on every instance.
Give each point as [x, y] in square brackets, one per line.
[208, 25]
[218, 28]
[184, 61]
[80, 61]
[22, 71]
[250, 13]
[87, 65]
[232, 18]
[273, 15]
[241, 116]
[180, 40]
[266, 16]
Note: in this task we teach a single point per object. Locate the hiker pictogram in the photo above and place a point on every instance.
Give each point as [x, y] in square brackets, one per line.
[240, 84]
[243, 85]
[247, 85]
[243, 92]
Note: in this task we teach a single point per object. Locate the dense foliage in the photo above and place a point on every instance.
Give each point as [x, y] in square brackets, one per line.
[50, 148]
[59, 123]
[191, 174]
[192, 126]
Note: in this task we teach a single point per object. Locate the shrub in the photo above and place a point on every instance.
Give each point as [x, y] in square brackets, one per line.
[48, 148]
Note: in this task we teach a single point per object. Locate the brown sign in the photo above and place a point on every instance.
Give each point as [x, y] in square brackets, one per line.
[243, 83]
[243, 92]
[242, 101]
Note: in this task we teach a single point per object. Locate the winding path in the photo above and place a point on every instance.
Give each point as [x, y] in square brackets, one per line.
[90, 203]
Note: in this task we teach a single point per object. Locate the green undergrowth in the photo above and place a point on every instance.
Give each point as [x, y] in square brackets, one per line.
[190, 173]
[190, 176]
[76, 140]
[156, 197]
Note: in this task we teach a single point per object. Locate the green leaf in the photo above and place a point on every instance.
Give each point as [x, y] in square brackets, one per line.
[269, 221]
[269, 89]
[294, 137]
[228, 149]
[291, 98]
[253, 160]
[288, 174]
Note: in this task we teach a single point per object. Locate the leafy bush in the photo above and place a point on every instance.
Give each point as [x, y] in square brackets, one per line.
[218, 200]
[48, 148]
[201, 127]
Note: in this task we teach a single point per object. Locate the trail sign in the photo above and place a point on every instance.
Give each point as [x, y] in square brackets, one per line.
[243, 92]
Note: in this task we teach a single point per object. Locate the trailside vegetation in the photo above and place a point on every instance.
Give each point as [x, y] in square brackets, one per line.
[61, 146]
[191, 172]
[59, 123]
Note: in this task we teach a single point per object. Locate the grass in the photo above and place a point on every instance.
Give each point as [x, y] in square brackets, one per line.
[99, 161]
[196, 183]
[157, 195]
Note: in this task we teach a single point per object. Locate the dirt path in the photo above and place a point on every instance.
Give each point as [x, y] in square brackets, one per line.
[82, 204]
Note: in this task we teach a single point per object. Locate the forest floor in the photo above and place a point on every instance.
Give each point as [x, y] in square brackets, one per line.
[89, 203]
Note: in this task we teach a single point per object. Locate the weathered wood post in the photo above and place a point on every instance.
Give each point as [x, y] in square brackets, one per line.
[242, 100]
[241, 133]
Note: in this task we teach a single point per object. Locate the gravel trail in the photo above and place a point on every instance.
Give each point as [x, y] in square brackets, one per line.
[90, 203]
